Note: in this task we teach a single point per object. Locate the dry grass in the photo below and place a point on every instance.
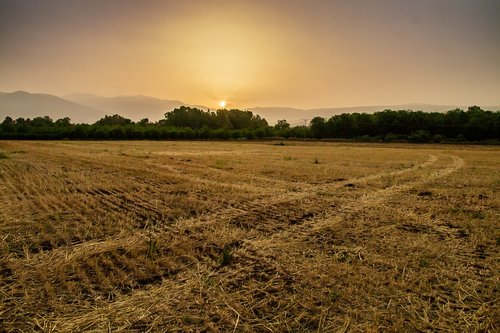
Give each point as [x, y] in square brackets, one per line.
[248, 237]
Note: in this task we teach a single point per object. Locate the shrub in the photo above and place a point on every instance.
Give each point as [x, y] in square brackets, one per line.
[420, 136]
[437, 138]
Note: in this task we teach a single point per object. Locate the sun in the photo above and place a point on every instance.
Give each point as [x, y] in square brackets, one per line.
[222, 104]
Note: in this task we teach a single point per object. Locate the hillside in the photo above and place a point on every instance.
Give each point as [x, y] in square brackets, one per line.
[27, 105]
[88, 108]
[296, 116]
[132, 107]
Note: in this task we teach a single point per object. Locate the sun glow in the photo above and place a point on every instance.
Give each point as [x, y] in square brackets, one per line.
[222, 104]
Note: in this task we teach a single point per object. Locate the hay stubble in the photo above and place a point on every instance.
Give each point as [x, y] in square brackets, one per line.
[197, 236]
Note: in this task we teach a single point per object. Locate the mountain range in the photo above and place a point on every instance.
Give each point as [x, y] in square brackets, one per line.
[88, 108]
[26, 105]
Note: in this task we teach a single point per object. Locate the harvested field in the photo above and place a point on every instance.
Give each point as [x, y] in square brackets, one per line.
[248, 237]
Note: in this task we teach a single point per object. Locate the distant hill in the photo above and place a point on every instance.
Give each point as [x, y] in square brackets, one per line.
[88, 108]
[296, 116]
[84, 108]
[26, 105]
[132, 107]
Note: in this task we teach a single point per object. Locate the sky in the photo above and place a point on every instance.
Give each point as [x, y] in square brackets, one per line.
[305, 54]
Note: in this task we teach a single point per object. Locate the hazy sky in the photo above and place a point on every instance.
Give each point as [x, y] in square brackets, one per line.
[256, 53]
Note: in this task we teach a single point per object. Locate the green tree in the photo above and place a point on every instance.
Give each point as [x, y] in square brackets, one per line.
[319, 128]
[64, 122]
[8, 125]
[282, 124]
[113, 120]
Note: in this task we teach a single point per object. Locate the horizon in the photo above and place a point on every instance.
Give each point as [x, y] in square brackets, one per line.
[67, 97]
[294, 54]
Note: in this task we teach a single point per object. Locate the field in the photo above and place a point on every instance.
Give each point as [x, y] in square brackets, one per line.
[248, 237]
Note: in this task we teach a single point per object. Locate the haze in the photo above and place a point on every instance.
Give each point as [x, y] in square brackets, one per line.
[306, 54]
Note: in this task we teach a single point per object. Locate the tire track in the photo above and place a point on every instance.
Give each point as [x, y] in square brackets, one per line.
[249, 180]
[237, 211]
[271, 210]
[200, 180]
[281, 199]
[381, 195]
[270, 213]
[155, 173]
[307, 231]
[270, 217]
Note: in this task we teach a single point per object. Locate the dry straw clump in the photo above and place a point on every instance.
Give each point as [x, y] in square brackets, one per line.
[248, 237]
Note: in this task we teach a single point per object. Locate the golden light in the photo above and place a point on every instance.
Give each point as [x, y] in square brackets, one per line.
[222, 104]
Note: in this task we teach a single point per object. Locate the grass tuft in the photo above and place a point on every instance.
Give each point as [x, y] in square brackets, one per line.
[227, 256]
[334, 296]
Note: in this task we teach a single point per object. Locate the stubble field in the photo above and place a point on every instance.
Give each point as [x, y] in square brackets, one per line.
[248, 237]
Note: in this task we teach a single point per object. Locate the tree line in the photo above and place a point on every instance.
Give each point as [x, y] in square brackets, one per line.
[474, 124]
[181, 123]
[184, 122]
